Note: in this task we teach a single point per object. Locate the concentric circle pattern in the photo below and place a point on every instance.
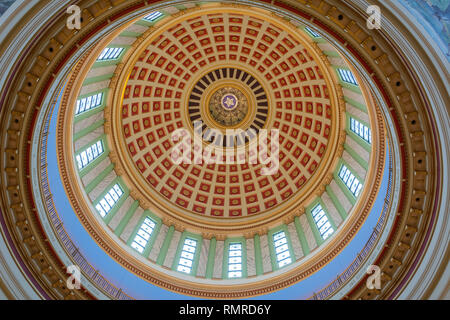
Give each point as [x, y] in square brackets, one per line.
[228, 106]
[226, 103]
[164, 91]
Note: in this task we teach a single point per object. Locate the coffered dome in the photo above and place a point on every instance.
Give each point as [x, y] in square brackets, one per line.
[220, 150]
[183, 73]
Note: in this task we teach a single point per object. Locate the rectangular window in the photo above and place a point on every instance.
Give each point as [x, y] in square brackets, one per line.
[187, 256]
[281, 249]
[143, 235]
[110, 54]
[153, 16]
[313, 33]
[235, 260]
[322, 222]
[90, 154]
[351, 182]
[361, 130]
[109, 200]
[88, 103]
[347, 76]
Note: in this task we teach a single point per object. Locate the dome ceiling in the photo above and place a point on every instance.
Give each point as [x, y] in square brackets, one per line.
[95, 180]
[219, 81]
[277, 79]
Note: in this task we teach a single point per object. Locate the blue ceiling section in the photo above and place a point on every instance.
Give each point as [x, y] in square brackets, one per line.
[434, 16]
[4, 5]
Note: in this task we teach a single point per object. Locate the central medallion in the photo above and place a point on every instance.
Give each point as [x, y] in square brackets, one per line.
[228, 98]
[228, 106]
[229, 101]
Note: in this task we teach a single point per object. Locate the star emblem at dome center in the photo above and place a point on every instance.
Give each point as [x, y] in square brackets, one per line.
[229, 101]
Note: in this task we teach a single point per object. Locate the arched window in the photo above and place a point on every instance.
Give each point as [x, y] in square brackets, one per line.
[321, 221]
[235, 260]
[281, 247]
[347, 76]
[350, 180]
[110, 54]
[153, 16]
[187, 255]
[90, 154]
[143, 235]
[361, 130]
[109, 200]
[88, 103]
